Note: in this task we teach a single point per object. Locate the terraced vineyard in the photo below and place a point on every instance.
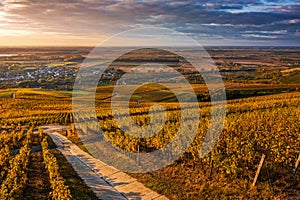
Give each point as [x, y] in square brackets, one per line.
[254, 126]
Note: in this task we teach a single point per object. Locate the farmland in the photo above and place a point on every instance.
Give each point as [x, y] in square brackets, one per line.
[57, 68]
[262, 118]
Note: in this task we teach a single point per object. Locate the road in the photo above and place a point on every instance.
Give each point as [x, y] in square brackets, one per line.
[106, 182]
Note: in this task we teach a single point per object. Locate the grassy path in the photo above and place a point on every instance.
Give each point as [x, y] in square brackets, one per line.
[38, 186]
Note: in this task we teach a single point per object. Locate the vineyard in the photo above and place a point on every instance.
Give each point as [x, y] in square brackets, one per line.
[256, 126]
[14, 168]
[30, 168]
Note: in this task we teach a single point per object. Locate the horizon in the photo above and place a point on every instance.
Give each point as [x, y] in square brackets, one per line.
[204, 46]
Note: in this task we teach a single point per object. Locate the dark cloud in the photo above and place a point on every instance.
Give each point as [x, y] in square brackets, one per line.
[221, 19]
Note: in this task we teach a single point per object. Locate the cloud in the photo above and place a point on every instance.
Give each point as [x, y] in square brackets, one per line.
[203, 20]
[259, 36]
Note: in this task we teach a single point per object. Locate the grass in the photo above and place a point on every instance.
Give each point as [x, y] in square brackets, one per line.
[79, 190]
[38, 185]
[293, 78]
[5, 94]
[190, 180]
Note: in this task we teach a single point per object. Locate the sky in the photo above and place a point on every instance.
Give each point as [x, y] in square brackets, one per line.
[89, 22]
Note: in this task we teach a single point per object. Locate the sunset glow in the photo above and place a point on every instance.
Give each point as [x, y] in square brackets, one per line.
[89, 22]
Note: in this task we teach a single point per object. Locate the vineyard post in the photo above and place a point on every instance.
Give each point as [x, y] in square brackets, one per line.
[138, 149]
[296, 165]
[261, 163]
[138, 155]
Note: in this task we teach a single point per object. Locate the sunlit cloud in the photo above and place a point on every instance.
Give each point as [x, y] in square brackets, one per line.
[88, 22]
